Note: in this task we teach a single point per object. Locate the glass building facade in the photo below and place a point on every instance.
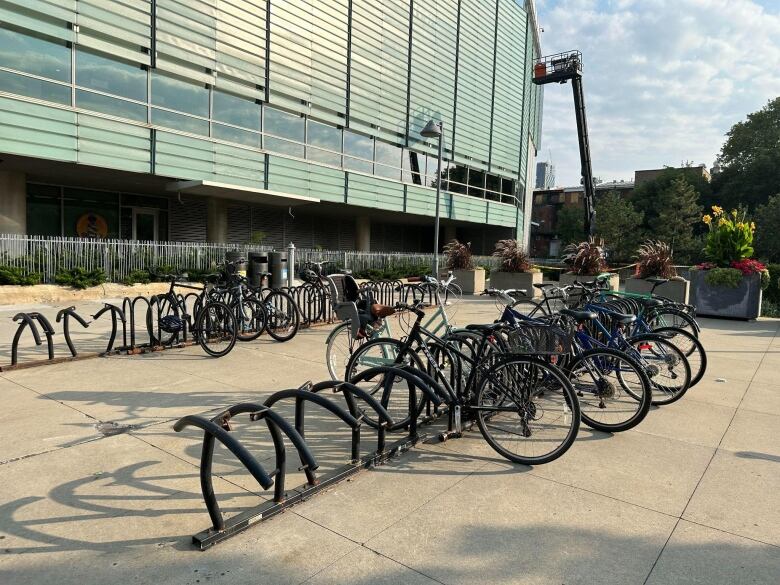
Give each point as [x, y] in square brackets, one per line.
[318, 103]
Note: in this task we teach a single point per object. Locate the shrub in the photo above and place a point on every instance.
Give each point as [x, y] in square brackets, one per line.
[654, 258]
[79, 277]
[586, 258]
[730, 236]
[458, 256]
[137, 276]
[15, 275]
[512, 257]
[727, 277]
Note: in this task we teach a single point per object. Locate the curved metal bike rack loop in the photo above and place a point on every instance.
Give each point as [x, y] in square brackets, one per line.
[28, 320]
[115, 312]
[65, 315]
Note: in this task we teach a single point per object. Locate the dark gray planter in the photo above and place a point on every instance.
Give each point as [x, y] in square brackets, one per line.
[743, 302]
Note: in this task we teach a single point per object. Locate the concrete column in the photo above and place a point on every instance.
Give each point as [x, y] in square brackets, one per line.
[217, 223]
[13, 203]
[363, 233]
[450, 233]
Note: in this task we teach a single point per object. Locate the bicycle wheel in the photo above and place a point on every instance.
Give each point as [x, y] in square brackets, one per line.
[529, 308]
[691, 347]
[250, 318]
[613, 390]
[161, 306]
[666, 317]
[283, 316]
[527, 410]
[391, 393]
[340, 347]
[215, 329]
[665, 365]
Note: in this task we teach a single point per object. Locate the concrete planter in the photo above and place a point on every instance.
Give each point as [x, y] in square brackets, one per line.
[470, 281]
[743, 302]
[676, 290]
[522, 280]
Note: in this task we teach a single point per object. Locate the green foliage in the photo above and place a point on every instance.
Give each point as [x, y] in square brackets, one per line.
[727, 277]
[654, 259]
[750, 159]
[767, 242]
[458, 255]
[257, 237]
[137, 277]
[730, 237]
[511, 256]
[487, 268]
[772, 292]
[394, 272]
[80, 278]
[618, 223]
[570, 226]
[586, 258]
[15, 275]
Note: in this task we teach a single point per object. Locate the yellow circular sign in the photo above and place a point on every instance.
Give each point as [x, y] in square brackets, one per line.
[92, 225]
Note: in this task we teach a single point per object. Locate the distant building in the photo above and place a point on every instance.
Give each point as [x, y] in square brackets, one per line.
[645, 176]
[545, 175]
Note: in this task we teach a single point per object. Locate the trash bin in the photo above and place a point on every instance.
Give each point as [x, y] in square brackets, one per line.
[235, 256]
[258, 263]
[277, 264]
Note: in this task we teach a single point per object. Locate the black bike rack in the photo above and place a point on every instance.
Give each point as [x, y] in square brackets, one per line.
[28, 320]
[116, 315]
[218, 428]
[65, 316]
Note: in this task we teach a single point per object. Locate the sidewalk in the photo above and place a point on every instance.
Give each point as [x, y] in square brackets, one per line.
[96, 487]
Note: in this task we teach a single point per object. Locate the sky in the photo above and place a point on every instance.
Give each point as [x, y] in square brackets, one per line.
[664, 80]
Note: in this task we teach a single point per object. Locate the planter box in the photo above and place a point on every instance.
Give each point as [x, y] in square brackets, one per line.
[743, 302]
[522, 280]
[471, 281]
[676, 290]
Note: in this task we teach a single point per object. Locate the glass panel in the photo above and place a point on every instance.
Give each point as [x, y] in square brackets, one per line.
[493, 187]
[388, 159]
[110, 75]
[237, 135]
[91, 214]
[180, 122]
[34, 55]
[131, 199]
[162, 226]
[433, 163]
[508, 186]
[111, 106]
[176, 94]
[234, 110]
[359, 146]
[144, 226]
[476, 183]
[283, 125]
[34, 88]
[324, 136]
[414, 167]
[458, 176]
[43, 210]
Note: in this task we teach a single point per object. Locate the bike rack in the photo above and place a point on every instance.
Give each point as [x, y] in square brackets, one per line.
[116, 314]
[65, 315]
[28, 320]
[218, 428]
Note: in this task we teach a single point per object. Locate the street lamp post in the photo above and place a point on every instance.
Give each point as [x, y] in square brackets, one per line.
[436, 130]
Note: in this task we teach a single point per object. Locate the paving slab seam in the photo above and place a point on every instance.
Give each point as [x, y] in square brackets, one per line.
[717, 448]
[47, 397]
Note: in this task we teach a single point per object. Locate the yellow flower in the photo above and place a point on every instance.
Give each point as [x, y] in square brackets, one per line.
[740, 225]
[722, 221]
[707, 219]
[753, 226]
[717, 210]
[734, 212]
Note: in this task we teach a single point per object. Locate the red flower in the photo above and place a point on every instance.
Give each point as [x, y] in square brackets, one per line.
[748, 266]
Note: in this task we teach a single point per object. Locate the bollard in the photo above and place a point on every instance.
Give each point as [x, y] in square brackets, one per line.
[291, 265]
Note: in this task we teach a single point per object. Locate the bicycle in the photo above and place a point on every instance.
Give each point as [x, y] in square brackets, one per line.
[524, 406]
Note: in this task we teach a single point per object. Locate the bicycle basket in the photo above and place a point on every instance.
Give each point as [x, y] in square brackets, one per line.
[171, 324]
[539, 339]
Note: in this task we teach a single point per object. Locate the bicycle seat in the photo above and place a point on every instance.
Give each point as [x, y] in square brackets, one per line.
[579, 316]
[487, 328]
[622, 318]
[657, 280]
[543, 285]
[381, 311]
[515, 292]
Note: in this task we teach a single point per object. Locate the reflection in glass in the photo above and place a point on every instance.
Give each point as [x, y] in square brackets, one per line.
[35, 88]
[110, 106]
[388, 160]
[476, 183]
[180, 122]
[326, 137]
[414, 167]
[493, 187]
[279, 125]
[357, 145]
[35, 55]
[110, 75]
[235, 110]
[176, 94]
[458, 177]
[237, 135]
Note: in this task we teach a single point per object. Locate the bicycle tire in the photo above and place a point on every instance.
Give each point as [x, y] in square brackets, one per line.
[283, 315]
[671, 356]
[674, 318]
[529, 308]
[168, 306]
[340, 345]
[215, 324]
[607, 396]
[251, 319]
[692, 349]
[563, 405]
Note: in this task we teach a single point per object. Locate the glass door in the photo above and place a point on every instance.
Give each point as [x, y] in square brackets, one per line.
[145, 224]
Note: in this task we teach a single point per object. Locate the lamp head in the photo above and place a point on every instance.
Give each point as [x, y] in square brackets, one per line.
[432, 129]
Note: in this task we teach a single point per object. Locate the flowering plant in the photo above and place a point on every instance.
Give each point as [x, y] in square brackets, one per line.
[749, 266]
[730, 238]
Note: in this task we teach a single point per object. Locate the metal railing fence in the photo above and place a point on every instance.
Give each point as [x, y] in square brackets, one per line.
[46, 255]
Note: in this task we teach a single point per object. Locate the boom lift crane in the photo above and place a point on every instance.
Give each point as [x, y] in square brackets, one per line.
[560, 68]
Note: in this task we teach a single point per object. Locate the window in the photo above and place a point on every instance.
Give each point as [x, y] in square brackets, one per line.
[281, 129]
[110, 75]
[458, 176]
[34, 88]
[44, 204]
[413, 167]
[35, 55]
[493, 187]
[476, 183]
[388, 160]
[182, 96]
[180, 122]
[238, 111]
[110, 106]
[321, 138]
[360, 147]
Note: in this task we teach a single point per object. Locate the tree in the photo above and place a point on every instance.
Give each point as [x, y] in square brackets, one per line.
[750, 160]
[645, 197]
[676, 212]
[618, 223]
[767, 242]
[570, 225]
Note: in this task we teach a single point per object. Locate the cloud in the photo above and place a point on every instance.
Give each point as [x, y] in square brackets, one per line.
[664, 79]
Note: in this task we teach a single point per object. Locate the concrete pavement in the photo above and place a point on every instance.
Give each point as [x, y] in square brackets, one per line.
[96, 486]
